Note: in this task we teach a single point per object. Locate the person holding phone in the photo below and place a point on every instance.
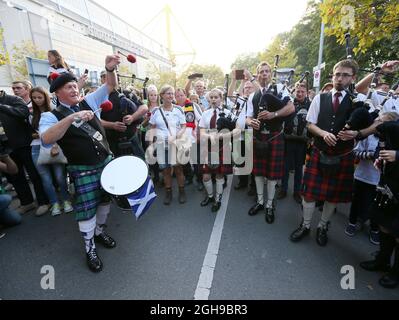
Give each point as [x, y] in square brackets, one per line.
[199, 88]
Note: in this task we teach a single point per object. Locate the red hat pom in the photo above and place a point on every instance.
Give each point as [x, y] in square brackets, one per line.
[131, 58]
[106, 106]
[54, 75]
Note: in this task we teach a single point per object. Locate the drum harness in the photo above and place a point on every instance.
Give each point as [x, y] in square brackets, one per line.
[95, 135]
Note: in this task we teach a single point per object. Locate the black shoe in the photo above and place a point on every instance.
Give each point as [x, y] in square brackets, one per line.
[93, 261]
[375, 265]
[300, 233]
[281, 194]
[105, 240]
[321, 236]
[297, 198]
[255, 209]
[269, 216]
[390, 280]
[216, 206]
[207, 201]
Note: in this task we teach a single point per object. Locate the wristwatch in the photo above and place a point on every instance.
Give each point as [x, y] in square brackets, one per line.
[109, 70]
[276, 114]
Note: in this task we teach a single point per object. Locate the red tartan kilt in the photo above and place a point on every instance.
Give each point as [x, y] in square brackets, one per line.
[222, 169]
[335, 188]
[271, 165]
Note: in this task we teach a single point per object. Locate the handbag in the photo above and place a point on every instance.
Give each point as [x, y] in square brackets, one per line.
[329, 165]
[45, 156]
[262, 148]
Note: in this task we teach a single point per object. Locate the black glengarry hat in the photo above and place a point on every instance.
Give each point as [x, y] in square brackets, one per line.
[62, 80]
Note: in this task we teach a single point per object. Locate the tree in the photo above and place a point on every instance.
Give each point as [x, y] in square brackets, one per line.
[4, 58]
[247, 61]
[280, 46]
[369, 21]
[213, 75]
[159, 77]
[18, 58]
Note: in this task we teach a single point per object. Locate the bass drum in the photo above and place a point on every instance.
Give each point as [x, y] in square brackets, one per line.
[123, 176]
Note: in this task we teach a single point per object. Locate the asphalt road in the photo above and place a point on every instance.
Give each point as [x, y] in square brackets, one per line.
[162, 256]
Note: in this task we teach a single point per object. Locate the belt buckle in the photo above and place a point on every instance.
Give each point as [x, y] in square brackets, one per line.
[98, 136]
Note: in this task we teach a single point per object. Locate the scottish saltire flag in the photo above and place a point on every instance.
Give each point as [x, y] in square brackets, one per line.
[141, 200]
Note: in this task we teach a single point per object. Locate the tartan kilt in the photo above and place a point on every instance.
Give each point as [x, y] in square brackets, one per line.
[88, 191]
[271, 165]
[222, 169]
[336, 188]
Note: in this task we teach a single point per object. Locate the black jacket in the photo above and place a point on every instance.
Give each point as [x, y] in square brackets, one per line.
[14, 115]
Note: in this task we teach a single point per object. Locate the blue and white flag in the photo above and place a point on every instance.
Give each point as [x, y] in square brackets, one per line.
[141, 200]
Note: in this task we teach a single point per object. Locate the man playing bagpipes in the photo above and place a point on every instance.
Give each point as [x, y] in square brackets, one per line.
[329, 172]
[265, 114]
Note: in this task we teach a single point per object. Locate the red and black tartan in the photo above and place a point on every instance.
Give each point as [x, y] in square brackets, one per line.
[222, 169]
[336, 188]
[271, 165]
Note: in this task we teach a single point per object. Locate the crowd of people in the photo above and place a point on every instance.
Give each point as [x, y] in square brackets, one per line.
[336, 155]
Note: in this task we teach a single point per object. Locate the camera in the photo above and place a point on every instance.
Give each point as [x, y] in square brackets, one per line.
[239, 75]
[4, 148]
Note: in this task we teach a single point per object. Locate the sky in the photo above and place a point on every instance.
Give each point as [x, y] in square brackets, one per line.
[218, 30]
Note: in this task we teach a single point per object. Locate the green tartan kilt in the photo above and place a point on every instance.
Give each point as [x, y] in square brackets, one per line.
[88, 191]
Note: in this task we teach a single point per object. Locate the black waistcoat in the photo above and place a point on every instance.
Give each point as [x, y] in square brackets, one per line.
[333, 123]
[78, 147]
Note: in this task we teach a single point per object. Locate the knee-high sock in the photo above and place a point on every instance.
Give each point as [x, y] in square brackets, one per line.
[209, 188]
[308, 209]
[101, 217]
[260, 186]
[328, 210]
[219, 189]
[87, 230]
[271, 191]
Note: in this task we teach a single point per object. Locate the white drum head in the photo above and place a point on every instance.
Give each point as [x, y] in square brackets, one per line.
[124, 175]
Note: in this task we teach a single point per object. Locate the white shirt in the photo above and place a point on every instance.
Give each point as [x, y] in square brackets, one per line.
[205, 121]
[54, 70]
[314, 109]
[365, 170]
[280, 89]
[392, 105]
[175, 118]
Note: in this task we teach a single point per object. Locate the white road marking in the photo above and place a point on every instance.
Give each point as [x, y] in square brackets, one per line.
[208, 267]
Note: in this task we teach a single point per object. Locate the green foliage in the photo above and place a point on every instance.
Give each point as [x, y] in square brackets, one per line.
[18, 58]
[247, 61]
[280, 46]
[369, 21]
[4, 58]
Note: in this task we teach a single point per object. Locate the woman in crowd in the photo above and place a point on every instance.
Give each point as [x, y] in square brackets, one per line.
[170, 124]
[41, 103]
[57, 63]
[152, 103]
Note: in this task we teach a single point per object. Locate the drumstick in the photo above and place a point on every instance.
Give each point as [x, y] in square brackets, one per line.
[106, 106]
